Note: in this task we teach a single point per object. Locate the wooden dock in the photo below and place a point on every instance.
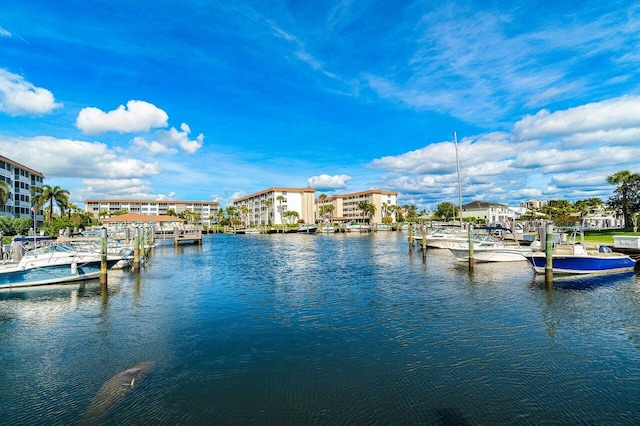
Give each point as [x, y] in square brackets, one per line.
[179, 235]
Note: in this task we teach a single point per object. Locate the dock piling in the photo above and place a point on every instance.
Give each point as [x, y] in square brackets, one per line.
[471, 260]
[548, 251]
[103, 260]
[410, 236]
[136, 249]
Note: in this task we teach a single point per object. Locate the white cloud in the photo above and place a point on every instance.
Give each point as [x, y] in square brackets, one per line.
[137, 116]
[4, 33]
[115, 188]
[167, 140]
[612, 115]
[71, 158]
[236, 195]
[572, 154]
[153, 147]
[326, 182]
[19, 97]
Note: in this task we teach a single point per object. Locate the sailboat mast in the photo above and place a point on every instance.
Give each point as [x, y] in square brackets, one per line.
[455, 143]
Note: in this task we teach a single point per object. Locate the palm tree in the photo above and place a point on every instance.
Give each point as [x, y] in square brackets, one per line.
[244, 210]
[5, 192]
[47, 194]
[370, 211]
[327, 211]
[291, 215]
[363, 206]
[232, 212]
[268, 203]
[626, 194]
[72, 208]
[280, 199]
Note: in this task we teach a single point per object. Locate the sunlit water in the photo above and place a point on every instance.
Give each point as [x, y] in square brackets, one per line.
[324, 329]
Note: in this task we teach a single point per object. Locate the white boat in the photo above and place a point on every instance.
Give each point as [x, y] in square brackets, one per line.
[56, 274]
[57, 254]
[491, 253]
[357, 227]
[307, 228]
[326, 229]
[442, 238]
[53, 264]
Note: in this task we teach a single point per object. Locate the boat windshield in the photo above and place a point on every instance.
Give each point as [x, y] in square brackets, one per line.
[54, 248]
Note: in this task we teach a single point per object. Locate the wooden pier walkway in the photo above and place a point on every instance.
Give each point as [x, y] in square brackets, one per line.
[179, 235]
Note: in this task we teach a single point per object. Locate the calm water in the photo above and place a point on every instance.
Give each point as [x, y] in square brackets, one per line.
[324, 329]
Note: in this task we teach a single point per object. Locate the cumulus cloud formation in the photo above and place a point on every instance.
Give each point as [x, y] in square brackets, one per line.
[544, 157]
[168, 140]
[137, 116]
[326, 182]
[115, 188]
[19, 97]
[618, 118]
[66, 158]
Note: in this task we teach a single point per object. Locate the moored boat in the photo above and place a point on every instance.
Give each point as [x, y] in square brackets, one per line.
[580, 260]
[493, 253]
[578, 257]
[54, 274]
[307, 229]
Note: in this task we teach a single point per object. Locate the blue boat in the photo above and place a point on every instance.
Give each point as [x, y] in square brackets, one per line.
[586, 263]
[577, 257]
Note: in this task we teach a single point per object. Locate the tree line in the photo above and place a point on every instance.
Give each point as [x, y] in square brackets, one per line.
[625, 199]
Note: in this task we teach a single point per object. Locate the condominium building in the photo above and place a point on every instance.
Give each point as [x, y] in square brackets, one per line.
[270, 207]
[346, 206]
[207, 210]
[20, 180]
[533, 204]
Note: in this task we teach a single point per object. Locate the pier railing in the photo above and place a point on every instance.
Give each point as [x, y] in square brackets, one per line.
[179, 234]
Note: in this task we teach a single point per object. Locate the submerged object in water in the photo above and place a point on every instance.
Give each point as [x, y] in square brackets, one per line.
[115, 389]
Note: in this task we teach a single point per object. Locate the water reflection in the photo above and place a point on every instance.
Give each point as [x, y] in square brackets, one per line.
[324, 329]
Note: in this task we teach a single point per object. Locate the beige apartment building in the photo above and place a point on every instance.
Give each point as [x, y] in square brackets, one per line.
[208, 210]
[269, 207]
[345, 206]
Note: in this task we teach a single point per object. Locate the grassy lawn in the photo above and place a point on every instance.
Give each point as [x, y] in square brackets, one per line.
[606, 236]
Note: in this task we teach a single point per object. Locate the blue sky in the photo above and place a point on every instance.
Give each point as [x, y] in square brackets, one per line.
[206, 100]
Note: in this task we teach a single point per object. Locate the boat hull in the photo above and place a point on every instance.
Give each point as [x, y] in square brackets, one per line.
[578, 264]
[491, 255]
[56, 274]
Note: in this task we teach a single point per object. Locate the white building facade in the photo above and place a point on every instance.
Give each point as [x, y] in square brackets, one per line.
[207, 210]
[268, 207]
[490, 213]
[20, 180]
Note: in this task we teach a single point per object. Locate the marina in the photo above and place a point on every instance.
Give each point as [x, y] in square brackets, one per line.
[348, 328]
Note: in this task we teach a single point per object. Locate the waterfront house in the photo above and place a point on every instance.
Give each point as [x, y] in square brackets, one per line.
[490, 213]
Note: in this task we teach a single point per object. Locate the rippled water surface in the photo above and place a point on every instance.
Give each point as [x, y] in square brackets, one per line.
[322, 329]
